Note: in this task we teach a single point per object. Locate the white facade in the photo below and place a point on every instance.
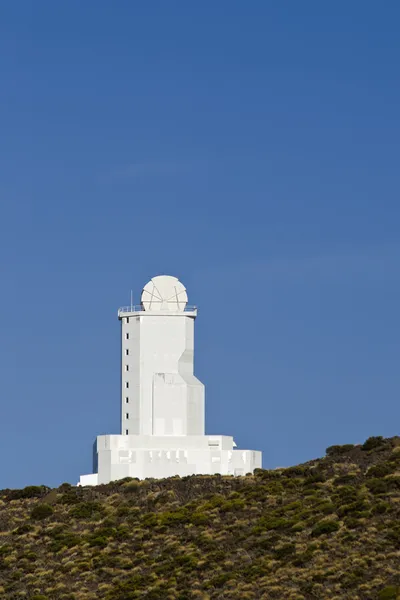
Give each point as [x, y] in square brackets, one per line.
[162, 402]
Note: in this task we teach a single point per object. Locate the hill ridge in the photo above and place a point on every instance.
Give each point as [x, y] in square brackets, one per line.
[327, 528]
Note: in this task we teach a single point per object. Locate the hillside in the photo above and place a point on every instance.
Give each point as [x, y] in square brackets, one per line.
[329, 528]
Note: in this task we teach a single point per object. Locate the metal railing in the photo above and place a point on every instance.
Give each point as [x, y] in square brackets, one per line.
[139, 308]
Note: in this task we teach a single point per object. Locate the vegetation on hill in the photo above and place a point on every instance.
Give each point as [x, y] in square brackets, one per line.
[329, 528]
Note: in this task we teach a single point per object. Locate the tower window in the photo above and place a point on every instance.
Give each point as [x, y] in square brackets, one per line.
[127, 336]
[126, 400]
[126, 415]
[126, 432]
[127, 319]
[126, 367]
[126, 384]
[127, 352]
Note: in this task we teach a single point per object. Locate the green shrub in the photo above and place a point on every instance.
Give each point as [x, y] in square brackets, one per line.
[373, 442]
[353, 522]
[232, 505]
[123, 510]
[301, 559]
[299, 526]
[41, 511]
[64, 487]
[347, 479]
[86, 510]
[337, 450]
[298, 471]
[313, 477]
[380, 508]
[70, 497]
[378, 486]
[149, 520]
[391, 592]
[173, 518]
[199, 518]
[22, 529]
[271, 523]
[31, 491]
[381, 470]
[393, 532]
[39, 597]
[131, 486]
[353, 508]
[345, 495]
[284, 551]
[65, 539]
[393, 482]
[98, 541]
[325, 527]
[5, 549]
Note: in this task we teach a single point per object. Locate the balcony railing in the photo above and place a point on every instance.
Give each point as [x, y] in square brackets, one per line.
[139, 308]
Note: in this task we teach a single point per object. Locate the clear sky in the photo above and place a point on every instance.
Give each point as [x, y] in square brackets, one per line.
[249, 148]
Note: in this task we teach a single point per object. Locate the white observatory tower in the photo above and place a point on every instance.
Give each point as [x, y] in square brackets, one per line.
[162, 402]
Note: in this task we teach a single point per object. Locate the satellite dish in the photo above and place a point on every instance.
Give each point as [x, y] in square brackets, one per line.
[164, 292]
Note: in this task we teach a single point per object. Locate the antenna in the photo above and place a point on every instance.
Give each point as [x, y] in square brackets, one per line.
[131, 302]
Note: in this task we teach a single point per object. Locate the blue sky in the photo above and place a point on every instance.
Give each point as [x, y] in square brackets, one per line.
[251, 149]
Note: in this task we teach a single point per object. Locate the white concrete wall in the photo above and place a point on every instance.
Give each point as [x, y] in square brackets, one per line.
[159, 393]
[144, 456]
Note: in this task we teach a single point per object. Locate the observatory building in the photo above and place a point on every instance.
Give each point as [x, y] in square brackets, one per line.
[162, 402]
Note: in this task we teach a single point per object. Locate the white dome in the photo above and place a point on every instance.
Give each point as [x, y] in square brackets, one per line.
[164, 292]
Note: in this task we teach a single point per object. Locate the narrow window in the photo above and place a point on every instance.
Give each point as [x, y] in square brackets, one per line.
[127, 336]
[126, 384]
[126, 400]
[126, 432]
[127, 319]
[126, 415]
[126, 367]
[127, 352]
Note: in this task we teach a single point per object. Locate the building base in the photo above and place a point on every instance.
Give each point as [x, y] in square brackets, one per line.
[142, 456]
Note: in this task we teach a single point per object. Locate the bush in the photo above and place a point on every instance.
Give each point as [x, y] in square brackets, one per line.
[373, 442]
[297, 471]
[64, 487]
[31, 491]
[131, 486]
[377, 486]
[284, 551]
[271, 523]
[98, 542]
[63, 538]
[345, 494]
[348, 478]
[337, 450]
[177, 517]
[86, 510]
[42, 511]
[381, 508]
[354, 508]
[381, 470]
[70, 497]
[325, 527]
[391, 592]
[22, 529]
[199, 518]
